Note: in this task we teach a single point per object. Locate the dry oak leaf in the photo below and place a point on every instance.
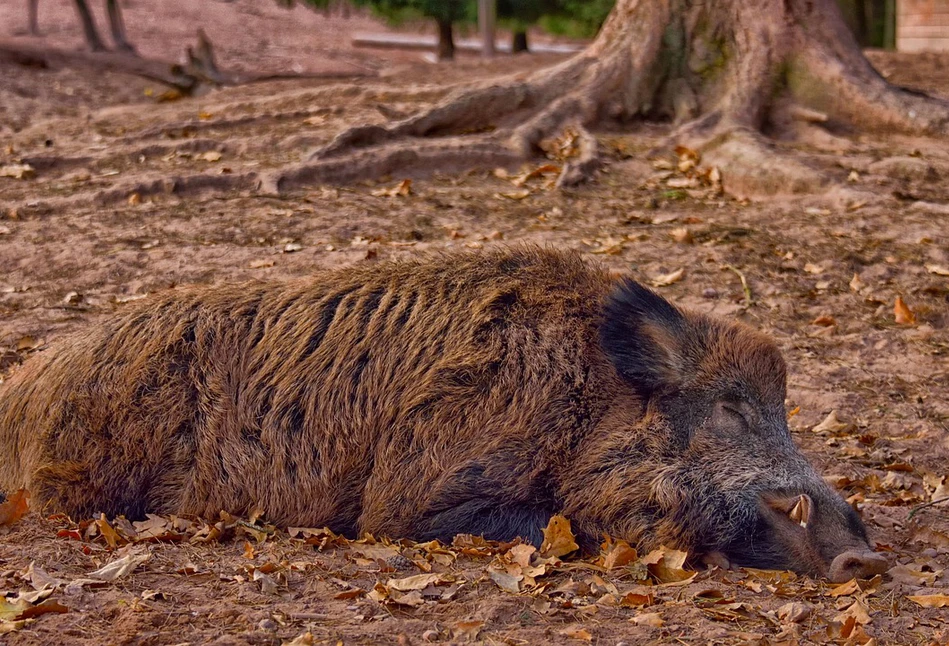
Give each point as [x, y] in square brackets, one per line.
[15, 507]
[939, 270]
[664, 280]
[402, 189]
[844, 589]
[18, 171]
[653, 619]
[909, 576]
[467, 630]
[858, 610]
[667, 565]
[576, 632]
[902, 313]
[794, 612]
[558, 538]
[831, 424]
[931, 600]
[120, 567]
[618, 553]
[418, 582]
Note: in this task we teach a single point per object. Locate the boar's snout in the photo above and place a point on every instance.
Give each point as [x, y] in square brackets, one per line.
[856, 564]
[822, 535]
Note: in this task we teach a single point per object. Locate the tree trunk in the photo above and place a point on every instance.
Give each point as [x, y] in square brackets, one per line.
[118, 27]
[446, 41]
[32, 8]
[89, 27]
[519, 42]
[720, 71]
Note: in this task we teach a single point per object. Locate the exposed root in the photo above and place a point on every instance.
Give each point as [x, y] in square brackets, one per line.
[751, 165]
[453, 154]
[187, 185]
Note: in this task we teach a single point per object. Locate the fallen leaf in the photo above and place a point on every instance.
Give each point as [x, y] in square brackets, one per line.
[402, 189]
[411, 599]
[794, 612]
[903, 314]
[618, 554]
[845, 589]
[907, 575]
[653, 619]
[211, 156]
[46, 607]
[505, 580]
[18, 171]
[576, 632]
[120, 567]
[831, 424]
[305, 639]
[558, 538]
[858, 610]
[112, 539]
[824, 321]
[467, 630]
[11, 626]
[267, 583]
[856, 284]
[667, 565]
[931, 600]
[636, 600]
[515, 195]
[15, 507]
[811, 268]
[418, 582]
[939, 270]
[663, 280]
[261, 264]
[521, 554]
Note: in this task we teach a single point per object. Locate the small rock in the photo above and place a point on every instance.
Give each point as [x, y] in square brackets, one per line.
[430, 636]
[268, 625]
[709, 292]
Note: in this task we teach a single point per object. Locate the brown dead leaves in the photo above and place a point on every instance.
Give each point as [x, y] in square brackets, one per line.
[15, 507]
[684, 176]
[558, 538]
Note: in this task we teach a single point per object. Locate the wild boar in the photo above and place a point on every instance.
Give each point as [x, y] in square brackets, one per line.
[476, 393]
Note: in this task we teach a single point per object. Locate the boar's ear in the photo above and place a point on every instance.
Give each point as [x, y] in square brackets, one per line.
[644, 335]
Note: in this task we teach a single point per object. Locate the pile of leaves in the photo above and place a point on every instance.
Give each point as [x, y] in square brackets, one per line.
[406, 576]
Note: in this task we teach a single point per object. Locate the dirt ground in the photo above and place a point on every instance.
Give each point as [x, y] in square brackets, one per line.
[107, 215]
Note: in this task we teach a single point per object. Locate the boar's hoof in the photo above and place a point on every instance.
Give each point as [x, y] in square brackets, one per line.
[717, 559]
[856, 564]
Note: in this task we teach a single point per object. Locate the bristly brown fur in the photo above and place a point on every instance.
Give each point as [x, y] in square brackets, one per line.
[476, 393]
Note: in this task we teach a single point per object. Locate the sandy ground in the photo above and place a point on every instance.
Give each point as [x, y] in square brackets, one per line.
[103, 221]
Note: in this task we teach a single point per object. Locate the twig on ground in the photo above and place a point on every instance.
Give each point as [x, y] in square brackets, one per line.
[749, 301]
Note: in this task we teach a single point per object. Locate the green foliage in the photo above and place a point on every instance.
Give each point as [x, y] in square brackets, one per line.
[401, 10]
[578, 18]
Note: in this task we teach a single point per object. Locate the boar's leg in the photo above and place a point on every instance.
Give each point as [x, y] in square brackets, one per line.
[487, 518]
[483, 497]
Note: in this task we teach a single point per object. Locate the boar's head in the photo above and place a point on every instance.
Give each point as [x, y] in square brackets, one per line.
[726, 478]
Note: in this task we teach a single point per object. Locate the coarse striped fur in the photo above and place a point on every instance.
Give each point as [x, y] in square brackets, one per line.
[477, 393]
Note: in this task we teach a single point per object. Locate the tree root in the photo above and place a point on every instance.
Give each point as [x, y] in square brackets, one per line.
[455, 154]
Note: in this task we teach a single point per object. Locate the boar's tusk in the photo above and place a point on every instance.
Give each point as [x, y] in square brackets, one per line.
[801, 511]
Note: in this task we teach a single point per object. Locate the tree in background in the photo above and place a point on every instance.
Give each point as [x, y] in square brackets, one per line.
[724, 73]
[445, 13]
[95, 42]
[519, 15]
